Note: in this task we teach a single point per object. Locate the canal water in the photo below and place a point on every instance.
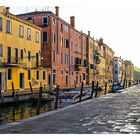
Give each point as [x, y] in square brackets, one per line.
[14, 113]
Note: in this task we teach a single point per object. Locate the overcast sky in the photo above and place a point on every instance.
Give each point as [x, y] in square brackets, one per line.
[116, 21]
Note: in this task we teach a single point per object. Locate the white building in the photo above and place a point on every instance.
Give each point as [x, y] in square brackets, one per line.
[118, 70]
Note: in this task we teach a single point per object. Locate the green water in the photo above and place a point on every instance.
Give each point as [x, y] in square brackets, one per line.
[25, 110]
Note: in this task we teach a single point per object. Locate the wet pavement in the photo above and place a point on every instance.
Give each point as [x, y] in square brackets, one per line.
[112, 113]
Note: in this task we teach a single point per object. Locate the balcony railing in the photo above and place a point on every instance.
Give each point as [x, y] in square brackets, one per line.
[18, 62]
[78, 67]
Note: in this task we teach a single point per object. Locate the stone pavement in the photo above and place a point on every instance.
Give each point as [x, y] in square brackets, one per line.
[112, 113]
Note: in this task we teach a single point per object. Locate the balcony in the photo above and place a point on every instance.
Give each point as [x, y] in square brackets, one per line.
[78, 67]
[14, 62]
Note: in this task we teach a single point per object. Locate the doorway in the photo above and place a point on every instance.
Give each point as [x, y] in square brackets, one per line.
[21, 80]
[2, 80]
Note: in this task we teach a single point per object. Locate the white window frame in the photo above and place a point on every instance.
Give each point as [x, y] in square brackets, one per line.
[8, 26]
[21, 31]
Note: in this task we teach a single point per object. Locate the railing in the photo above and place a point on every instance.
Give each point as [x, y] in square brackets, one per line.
[12, 61]
[78, 67]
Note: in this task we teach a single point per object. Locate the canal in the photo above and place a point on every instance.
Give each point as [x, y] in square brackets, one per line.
[24, 110]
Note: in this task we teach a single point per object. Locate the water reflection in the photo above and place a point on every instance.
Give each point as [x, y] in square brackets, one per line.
[22, 111]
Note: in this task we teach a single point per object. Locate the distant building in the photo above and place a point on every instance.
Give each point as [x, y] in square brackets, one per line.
[129, 70]
[109, 55]
[118, 71]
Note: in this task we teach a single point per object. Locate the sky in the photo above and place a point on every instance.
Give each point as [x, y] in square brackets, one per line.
[116, 21]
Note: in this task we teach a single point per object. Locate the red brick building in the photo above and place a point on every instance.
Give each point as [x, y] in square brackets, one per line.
[63, 47]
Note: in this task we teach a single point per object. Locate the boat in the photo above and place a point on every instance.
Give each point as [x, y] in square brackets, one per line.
[73, 96]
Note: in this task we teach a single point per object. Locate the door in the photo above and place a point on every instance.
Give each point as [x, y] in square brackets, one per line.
[2, 81]
[21, 80]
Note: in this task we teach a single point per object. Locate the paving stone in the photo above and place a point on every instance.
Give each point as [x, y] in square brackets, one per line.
[113, 113]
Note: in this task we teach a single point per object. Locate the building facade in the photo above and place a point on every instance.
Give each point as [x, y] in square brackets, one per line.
[20, 47]
[100, 63]
[118, 72]
[109, 55]
[90, 59]
[129, 71]
[63, 48]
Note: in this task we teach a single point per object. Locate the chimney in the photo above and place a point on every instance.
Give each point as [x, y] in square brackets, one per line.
[57, 11]
[72, 21]
[89, 33]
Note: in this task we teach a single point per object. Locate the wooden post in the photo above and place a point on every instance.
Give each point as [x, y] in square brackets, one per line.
[56, 100]
[39, 100]
[105, 88]
[129, 83]
[126, 84]
[96, 93]
[31, 87]
[112, 86]
[137, 82]
[75, 83]
[13, 90]
[80, 97]
[0, 91]
[92, 90]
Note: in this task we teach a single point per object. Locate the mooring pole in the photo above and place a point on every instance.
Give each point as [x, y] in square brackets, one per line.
[31, 87]
[39, 100]
[96, 93]
[92, 90]
[81, 92]
[105, 88]
[13, 90]
[56, 100]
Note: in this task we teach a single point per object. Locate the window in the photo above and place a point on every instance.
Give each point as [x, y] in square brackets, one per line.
[9, 74]
[116, 72]
[54, 37]
[115, 65]
[62, 72]
[16, 55]
[21, 54]
[29, 75]
[66, 59]
[54, 21]
[62, 28]
[8, 26]
[28, 33]
[84, 76]
[45, 37]
[21, 31]
[45, 20]
[0, 24]
[67, 43]
[37, 37]
[29, 55]
[44, 75]
[1, 50]
[37, 75]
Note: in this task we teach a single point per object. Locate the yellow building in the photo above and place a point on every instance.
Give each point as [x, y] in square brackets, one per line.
[100, 66]
[20, 58]
[129, 71]
[109, 55]
[90, 59]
